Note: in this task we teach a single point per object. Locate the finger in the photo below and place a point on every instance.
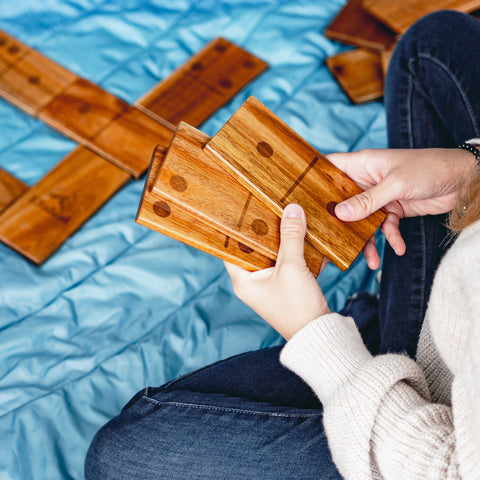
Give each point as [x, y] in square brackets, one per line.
[364, 204]
[325, 262]
[370, 253]
[392, 234]
[293, 228]
[340, 160]
[235, 272]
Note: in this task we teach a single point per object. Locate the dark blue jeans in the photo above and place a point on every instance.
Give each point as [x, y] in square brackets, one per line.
[248, 417]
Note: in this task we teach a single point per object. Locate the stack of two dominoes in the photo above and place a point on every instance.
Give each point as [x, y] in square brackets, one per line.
[225, 195]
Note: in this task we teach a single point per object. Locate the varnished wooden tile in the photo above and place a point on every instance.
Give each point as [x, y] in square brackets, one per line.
[130, 140]
[40, 221]
[192, 180]
[279, 167]
[10, 189]
[33, 81]
[399, 15]
[83, 110]
[47, 214]
[161, 215]
[354, 26]
[359, 73]
[202, 85]
[11, 50]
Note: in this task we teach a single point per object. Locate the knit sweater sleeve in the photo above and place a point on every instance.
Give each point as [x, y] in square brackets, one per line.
[378, 417]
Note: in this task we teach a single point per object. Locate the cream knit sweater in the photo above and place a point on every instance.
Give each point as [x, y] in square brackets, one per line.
[388, 417]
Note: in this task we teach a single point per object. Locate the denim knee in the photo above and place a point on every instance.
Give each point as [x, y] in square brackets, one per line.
[100, 461]
[439, 31]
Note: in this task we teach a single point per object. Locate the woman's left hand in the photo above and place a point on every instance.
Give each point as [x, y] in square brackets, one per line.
[287, 296]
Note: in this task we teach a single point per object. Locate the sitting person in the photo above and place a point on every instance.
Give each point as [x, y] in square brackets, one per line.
[330, 404]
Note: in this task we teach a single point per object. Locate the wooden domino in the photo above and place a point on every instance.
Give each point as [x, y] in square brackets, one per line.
[130, 139]
[10, 189]
[124, 135]
[193, 181]
[203, 84]
[354, 26]
[11, 50]
[279, 167]
[399, 15]
[161, 215]
[33, 81]
[359, 72]
[49, 212]
[106, 124]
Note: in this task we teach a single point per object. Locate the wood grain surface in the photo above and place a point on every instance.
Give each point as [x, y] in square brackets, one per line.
[359, 72]
[130, 140]
[117, 131]
[279, 167]
[47, 214]
[354, 26]
[11, 50]
[192, 180]
[161, 215]
[83, 110]
[399, 15]
[203, 84]
[33, 81]
[10, 189]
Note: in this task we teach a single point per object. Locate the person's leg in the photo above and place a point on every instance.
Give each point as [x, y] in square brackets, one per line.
[432, 100]
[245, 417]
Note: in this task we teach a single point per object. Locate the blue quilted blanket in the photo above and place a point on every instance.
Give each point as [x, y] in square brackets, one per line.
[119, 307]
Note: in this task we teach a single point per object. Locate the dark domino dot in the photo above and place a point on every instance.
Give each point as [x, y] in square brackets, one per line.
[249, 64]
[225, 83]
[220, 48]
[259, 227]
[84, 108]
[264, 149]
[34, 80]
[197, 66]
[162, 209]
[338, 69]
[178, 183]
[14, 49]
[331, 208]
[244, 248]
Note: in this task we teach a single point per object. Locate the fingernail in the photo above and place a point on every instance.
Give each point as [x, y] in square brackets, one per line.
[292, 211]
[344, 209]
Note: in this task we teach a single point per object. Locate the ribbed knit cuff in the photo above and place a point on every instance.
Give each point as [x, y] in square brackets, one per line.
[325, 353]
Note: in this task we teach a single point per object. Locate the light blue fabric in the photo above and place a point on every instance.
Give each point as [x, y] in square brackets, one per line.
[118, 306]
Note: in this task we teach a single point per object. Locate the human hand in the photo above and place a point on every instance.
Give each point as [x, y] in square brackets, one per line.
[287, 296]
[406, 183]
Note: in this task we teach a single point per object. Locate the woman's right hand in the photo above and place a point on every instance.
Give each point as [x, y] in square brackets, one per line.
[405, 182]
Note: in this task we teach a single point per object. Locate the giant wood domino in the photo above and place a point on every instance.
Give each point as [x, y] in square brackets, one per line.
[279, 167]
[159, 213]
[117, 138]
[188, 179]
[354, 26]
[400, 15]
[374, 26]
[238, 183]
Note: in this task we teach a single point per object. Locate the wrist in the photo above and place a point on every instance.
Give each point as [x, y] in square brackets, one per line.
[465, 165]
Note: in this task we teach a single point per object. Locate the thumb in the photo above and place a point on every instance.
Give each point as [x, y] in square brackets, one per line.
[293, 228]
[364, 204]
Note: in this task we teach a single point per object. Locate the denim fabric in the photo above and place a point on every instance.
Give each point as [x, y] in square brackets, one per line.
[244, 418]
[432, 99]
[248, 417]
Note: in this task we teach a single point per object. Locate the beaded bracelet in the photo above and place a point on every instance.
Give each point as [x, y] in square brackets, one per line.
[472, 149]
